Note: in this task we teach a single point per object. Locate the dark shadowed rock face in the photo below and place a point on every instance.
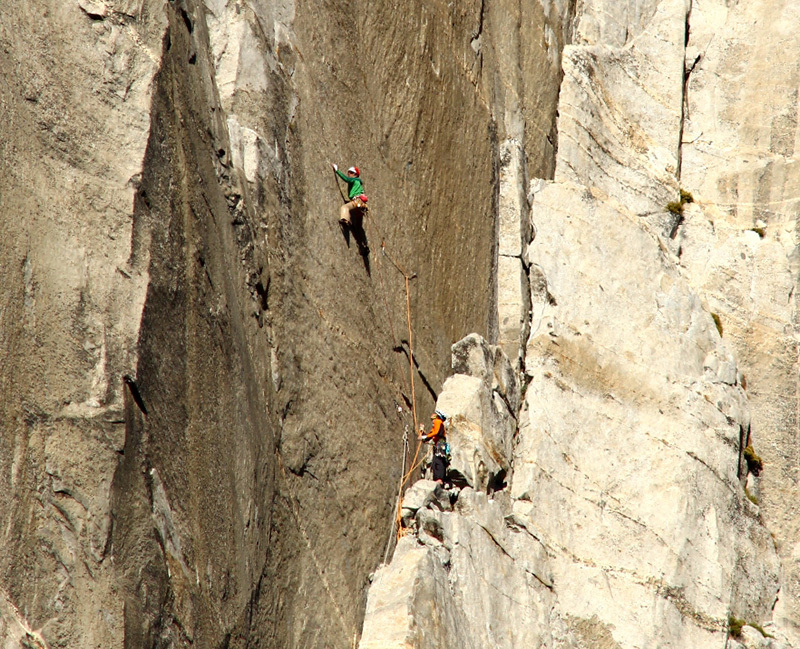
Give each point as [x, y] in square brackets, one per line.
[205, 381]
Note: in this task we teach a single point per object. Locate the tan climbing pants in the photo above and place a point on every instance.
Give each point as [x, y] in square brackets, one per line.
[344, 210]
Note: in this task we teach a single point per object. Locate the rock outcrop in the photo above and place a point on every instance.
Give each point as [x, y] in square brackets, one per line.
[481, 400]
[629, 462]
[205, 381]
[195, 357]
[472, 577]
[557, 558]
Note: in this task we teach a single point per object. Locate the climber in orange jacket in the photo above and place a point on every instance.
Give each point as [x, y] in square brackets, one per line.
[437, 435]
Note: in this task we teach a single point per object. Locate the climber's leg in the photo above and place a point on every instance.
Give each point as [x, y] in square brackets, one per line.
[344, 212]
[439, 468]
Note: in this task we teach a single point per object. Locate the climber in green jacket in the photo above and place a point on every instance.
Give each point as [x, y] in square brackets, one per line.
[355, 193]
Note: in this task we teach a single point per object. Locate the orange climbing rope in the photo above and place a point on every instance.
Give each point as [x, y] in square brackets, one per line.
[411, 353]
[386, 305]
[407, 277]
[404, 479]
[398, 519]
[414, 463]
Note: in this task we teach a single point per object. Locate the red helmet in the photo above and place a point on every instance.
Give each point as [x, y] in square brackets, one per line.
[354, 170]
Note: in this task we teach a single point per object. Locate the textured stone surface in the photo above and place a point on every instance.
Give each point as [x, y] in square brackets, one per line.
[520, 47]
[479, 401]
[631, 384]
[75, 97]
[483, 583]
[739, 243]
[204, 380]
[612, 416]
[389, 606]
[168, 215]
[627, 464]
[424, 493]
[621, 104]
[752, 638]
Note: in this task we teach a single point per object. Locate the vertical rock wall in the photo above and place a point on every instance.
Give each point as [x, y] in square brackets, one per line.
[621, 325]
[739, 244]
[205, 382]
[661, 343]
[192, 495]
[75, 93]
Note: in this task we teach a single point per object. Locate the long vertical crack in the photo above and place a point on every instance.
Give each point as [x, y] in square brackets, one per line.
[526, 238]
[687, 72]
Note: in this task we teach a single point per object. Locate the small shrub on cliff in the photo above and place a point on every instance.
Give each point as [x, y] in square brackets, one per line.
[750, 496]
[760, 629]
[735, 625]
[754, 463]
[761, 232]
[676, 207]
[717, 323]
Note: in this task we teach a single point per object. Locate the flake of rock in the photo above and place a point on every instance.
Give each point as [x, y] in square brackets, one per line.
[473, 356]
[424, 493]
[469, 591]
[480, 429]
[94, 9]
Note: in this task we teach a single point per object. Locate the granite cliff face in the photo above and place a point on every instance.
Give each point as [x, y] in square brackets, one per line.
[205, 382]
[628, 486]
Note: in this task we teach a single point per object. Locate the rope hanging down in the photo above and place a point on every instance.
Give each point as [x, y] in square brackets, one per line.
[405, 475]
[407, 277]
[396, 524]
[399, 495]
